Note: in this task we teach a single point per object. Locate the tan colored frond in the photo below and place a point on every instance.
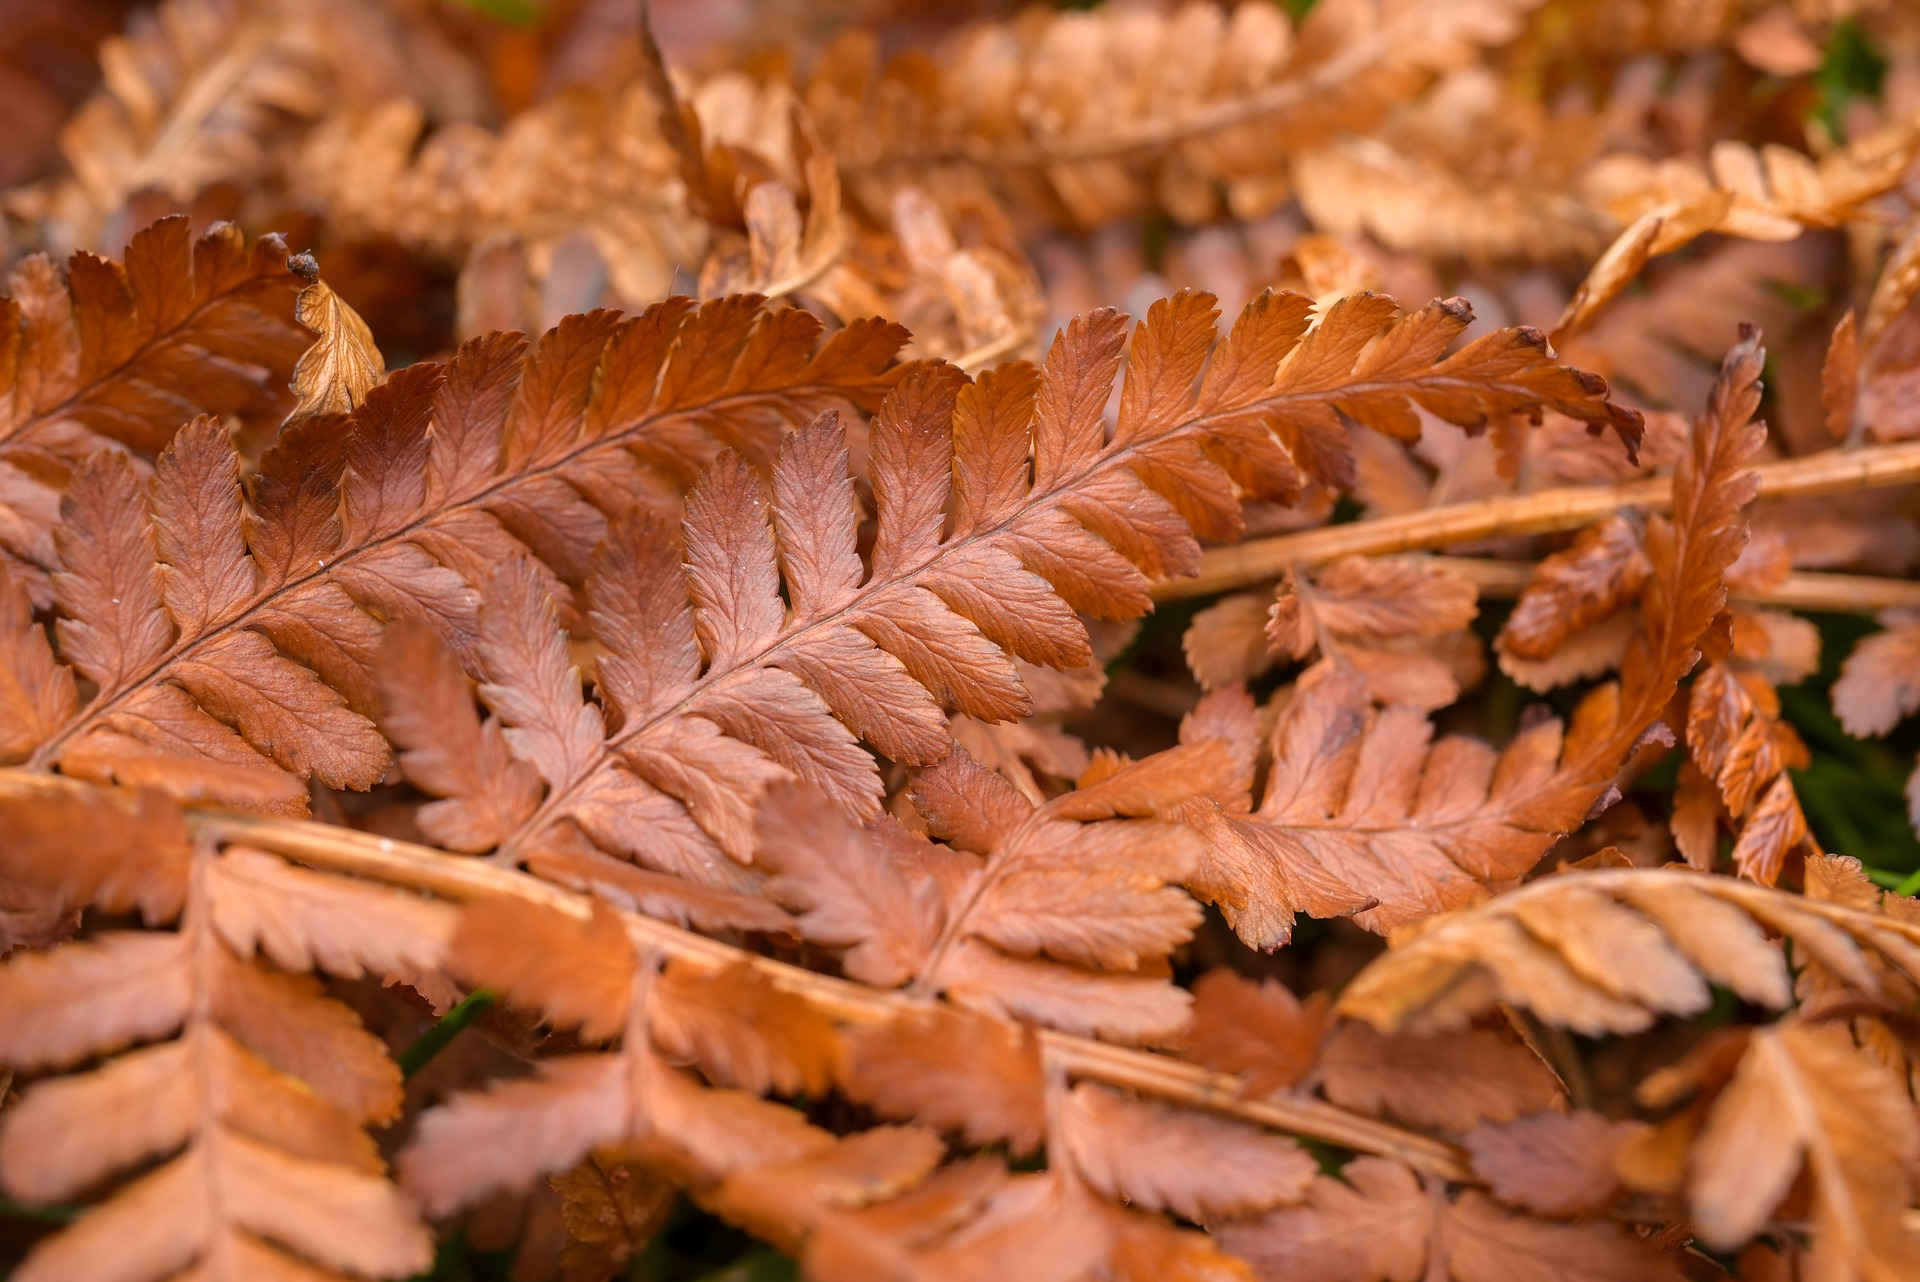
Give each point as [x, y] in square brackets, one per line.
[253, 1092]
[233, 632]
[1608, 951]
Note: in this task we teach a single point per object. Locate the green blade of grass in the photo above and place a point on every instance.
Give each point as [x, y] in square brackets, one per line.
[12, 1210]
[435, 1039]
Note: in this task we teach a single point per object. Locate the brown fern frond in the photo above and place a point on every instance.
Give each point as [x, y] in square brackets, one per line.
[1769, 193]
[1128, 109]
[629, 1096]
[246, 1085]
[211, 93]
[383, 861]
[614, 198]
[1376, 1220]
[1740, 749]
[1875, 691]
[760, 1165]
[713, 685]
[1398, 623]
[1609, 950]
[1359, 816]
[1851, 1136]
[201, 88]
[1060, 915]
[581, 175]
[235, 629]
[126, 353]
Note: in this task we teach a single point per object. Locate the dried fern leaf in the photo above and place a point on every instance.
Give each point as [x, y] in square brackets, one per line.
[1552, 1163]
[129, 351]
[335, 374]
[629, 1096]
[421, 869]
[1135, 108]
[1061, 916]
[715, 683]
[759, 1165]
[1376, 1221]
[1607, 951]
[1742, 748]
[205, 94]
[1359, 816]
[1605, 568]
[1257, 1029]
[255, 649]
[1805, 1095]
[251, 1088]
[126, 353]
[1397, 622]
[1768, 193]
[1876, 689]
[1160, 1159]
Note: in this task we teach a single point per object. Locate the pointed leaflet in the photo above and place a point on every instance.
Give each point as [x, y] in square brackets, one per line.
[578, 975]
[74, 843]
[237, 698]
[970, 1221]
[1371, 599]
[36, 692]
[977, 1077]
[1361, 814]
[335, 374]
[1604, 569]
[485, 792]
[860, 891]
[735, 1026]
[1742, 747]
[1255, 1028]
[1551, 1163]
[443, 473]
[536, 695]
[1196, 1166]
[305, 920]
[1877, 687]
[1452, 1081]
[1382, 617]
[743, 1031]
[782, 1201]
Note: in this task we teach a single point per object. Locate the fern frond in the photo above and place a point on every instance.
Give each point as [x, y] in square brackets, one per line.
[248, 1087]
[1360, 816]
[763, 1167]
[1061, 915]
[1003, 508]
[245, 622]
[126, 353]
[1134, 108]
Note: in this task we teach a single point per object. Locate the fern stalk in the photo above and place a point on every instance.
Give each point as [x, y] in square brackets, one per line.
[1545, 512]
